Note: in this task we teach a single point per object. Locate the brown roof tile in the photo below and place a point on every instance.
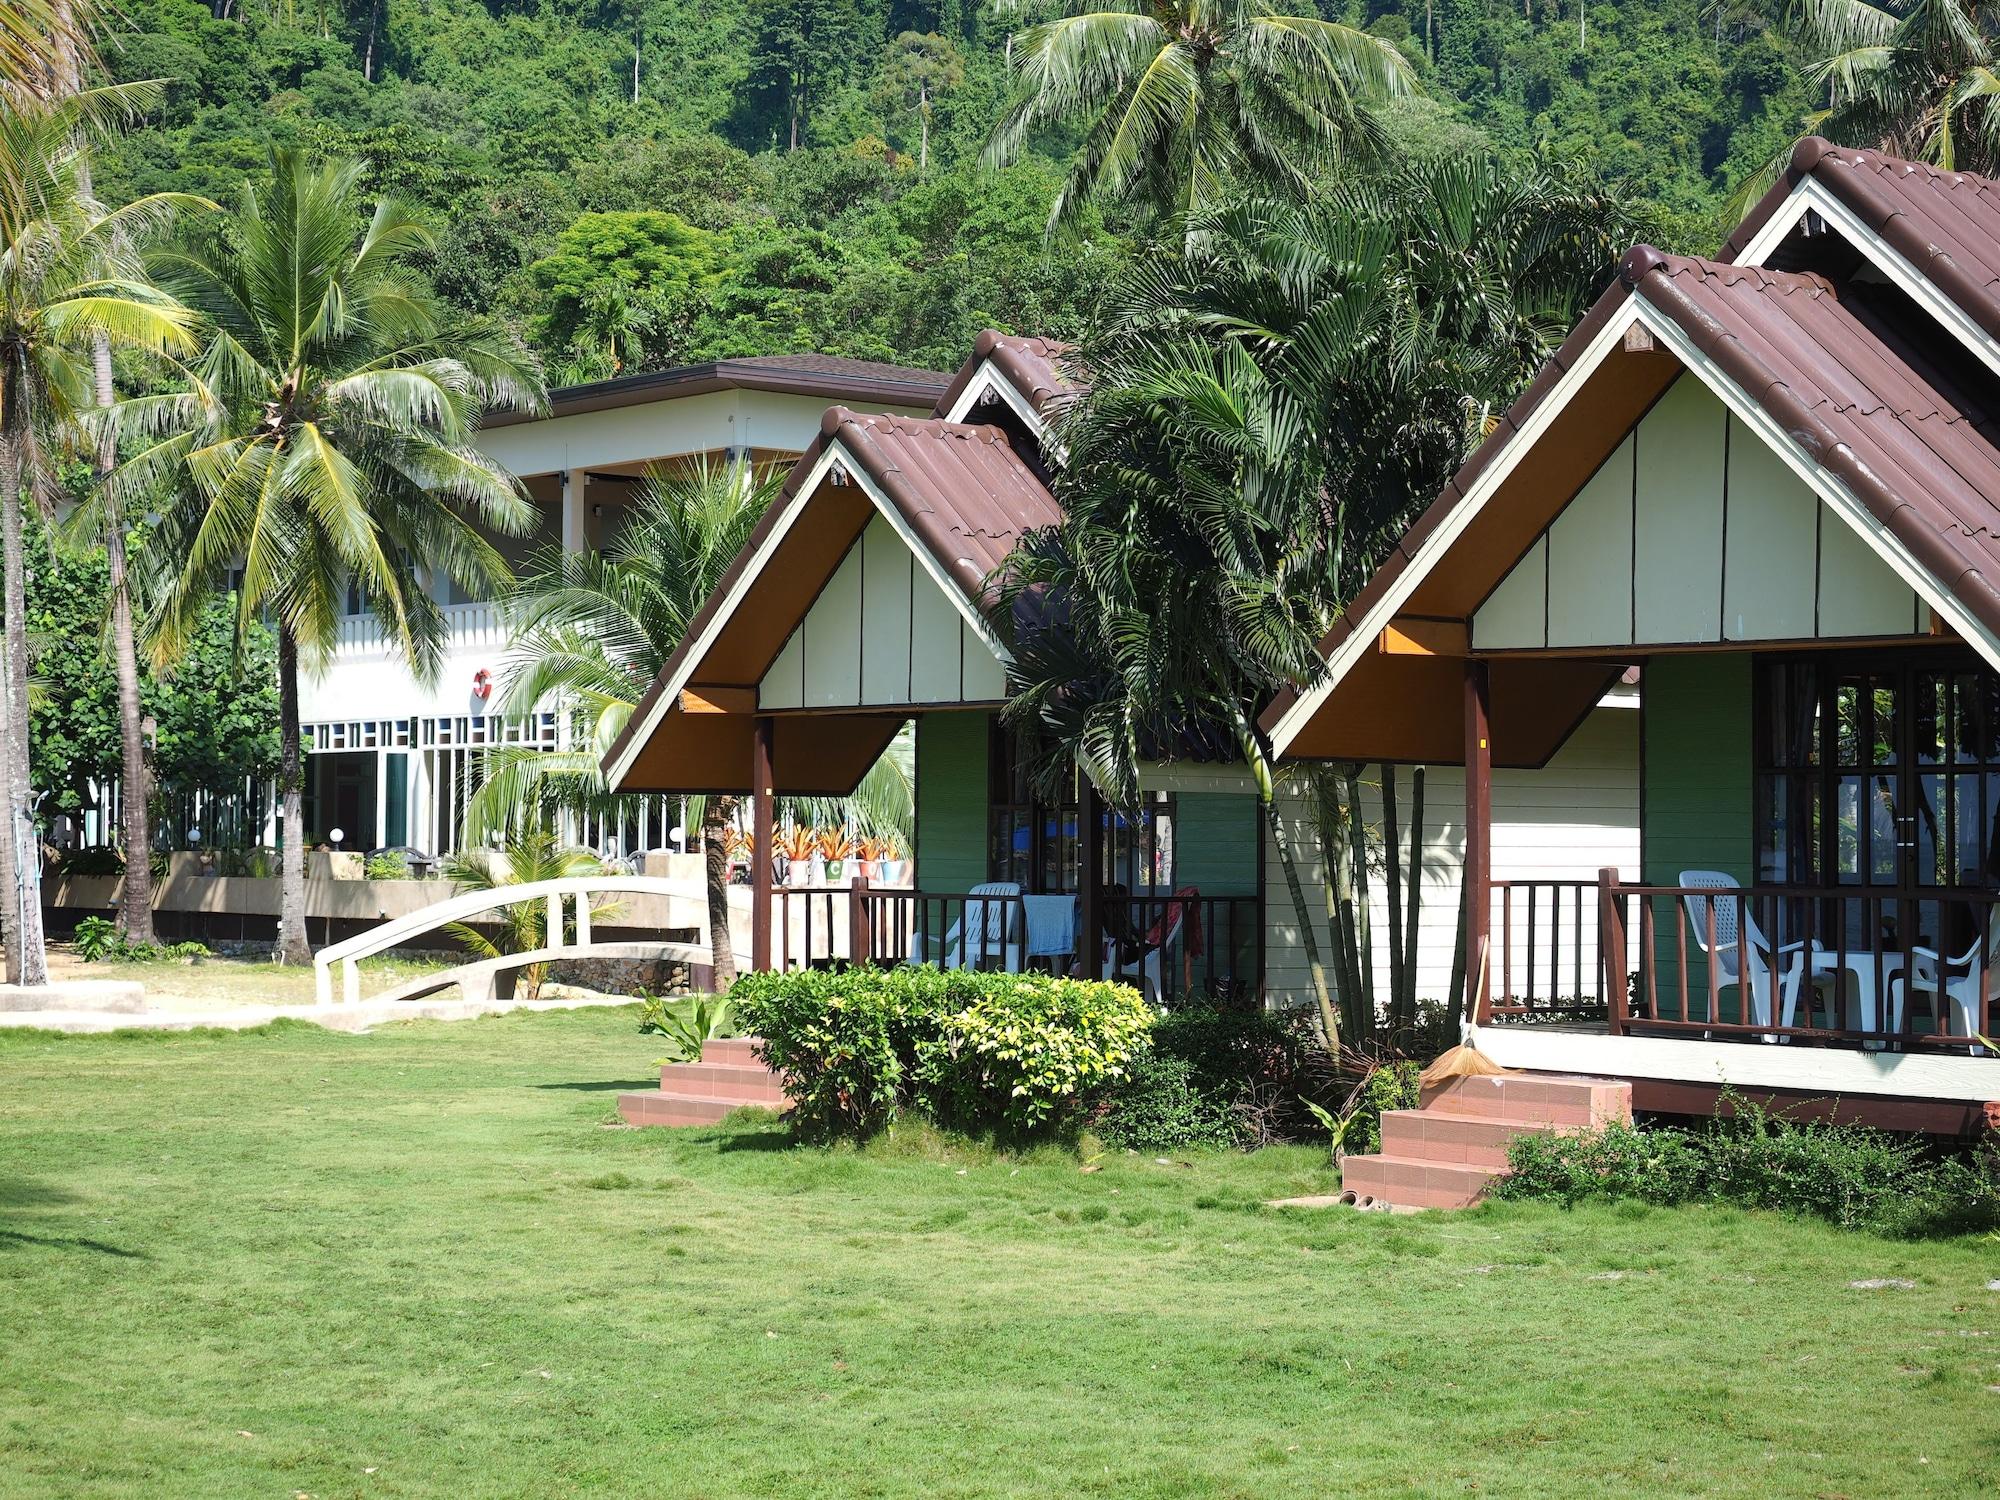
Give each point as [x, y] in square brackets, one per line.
[1946, 224]
[1042, 370]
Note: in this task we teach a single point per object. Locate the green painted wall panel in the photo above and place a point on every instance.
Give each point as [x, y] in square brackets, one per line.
[1695, 808]
[952, 750]
[1216, 842]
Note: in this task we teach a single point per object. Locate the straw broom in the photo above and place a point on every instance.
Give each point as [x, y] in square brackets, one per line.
[1464, 1060]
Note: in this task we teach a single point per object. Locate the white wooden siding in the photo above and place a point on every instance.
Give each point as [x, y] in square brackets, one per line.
[1567, 821]
[1694, 530]
[882, 632]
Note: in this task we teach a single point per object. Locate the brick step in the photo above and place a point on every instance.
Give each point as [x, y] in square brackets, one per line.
[1412, 1182]
[1534, 1098]
[738, 1050]
[746, 1083]
[660, 1107]
[1442, 1135]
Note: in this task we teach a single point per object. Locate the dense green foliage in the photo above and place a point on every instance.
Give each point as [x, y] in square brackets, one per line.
[506, 125]
[1850, 1176]
[1012, 1053]
[216, 711]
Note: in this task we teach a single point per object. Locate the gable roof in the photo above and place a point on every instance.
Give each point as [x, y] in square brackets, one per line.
[1039, 372]
[1903, 439]
[1936, 233]
[958, 494]
[824, 375]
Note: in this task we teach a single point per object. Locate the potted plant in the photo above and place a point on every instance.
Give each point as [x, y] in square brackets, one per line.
[736, 849]
[797, 846]
[891, 866]
[836, 847]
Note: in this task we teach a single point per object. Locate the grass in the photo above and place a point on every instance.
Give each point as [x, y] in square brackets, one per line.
[425, 1262]
[221, 981]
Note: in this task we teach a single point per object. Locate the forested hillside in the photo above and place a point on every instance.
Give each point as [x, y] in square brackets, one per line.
[639, 183]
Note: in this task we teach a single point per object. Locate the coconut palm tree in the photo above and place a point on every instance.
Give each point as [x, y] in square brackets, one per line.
[43, 42]
[1265, 413]
[67, 278]
[324, 443]
[1182, 100]
[592, 632]
[1918, 79]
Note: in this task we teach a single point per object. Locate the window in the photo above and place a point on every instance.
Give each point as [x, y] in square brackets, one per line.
[1036, 844]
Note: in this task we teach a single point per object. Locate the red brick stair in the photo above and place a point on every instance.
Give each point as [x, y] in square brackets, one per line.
[1446, 1154]
[729, 1076]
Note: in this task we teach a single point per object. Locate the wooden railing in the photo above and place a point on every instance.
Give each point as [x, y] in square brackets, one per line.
[1848, 965]
[1178, 946]
[1544, 955]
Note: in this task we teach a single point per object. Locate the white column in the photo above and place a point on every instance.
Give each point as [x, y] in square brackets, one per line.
[381, 797]
[575, 511]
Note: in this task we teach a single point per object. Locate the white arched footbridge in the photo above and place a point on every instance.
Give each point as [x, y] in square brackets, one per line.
[487, 978]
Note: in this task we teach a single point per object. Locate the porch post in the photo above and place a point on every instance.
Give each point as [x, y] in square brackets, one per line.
[1090, 875]
[1478, 840]
[762, 834]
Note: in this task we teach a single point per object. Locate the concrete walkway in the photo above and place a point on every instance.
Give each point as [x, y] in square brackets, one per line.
[361, 1017]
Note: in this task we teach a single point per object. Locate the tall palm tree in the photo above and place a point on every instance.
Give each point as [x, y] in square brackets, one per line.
[592, 632]
[1919, 79]
[1182, 100]
[41, 41]
[325, 442]
[67, 278]
[1265, 413]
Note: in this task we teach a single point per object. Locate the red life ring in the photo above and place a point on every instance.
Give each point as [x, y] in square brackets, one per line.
[482, 684]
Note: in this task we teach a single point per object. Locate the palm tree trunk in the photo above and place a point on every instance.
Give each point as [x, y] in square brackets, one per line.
[27, 962]
[716, 819]
[1392, 873]
[135, 913]
[293, 945]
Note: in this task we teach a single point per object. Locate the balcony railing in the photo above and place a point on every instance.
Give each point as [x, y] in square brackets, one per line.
[476, 624]
[1879, 967]
[1173, 947]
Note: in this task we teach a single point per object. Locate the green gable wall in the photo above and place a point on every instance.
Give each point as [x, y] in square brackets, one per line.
[952, 750]
[1695, 799]
[1215, 842]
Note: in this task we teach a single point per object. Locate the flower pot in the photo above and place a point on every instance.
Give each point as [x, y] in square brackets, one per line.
[835, 871]
[894, 871]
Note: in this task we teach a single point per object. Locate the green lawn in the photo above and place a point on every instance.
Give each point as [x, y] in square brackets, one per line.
[425, 1262]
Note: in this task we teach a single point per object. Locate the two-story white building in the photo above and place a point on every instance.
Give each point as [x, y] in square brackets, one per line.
[392, 759]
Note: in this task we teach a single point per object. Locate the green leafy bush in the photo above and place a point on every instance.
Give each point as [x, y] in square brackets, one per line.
[386, 866]
[96, 938]
[1393, 1085]
[1013, 1053]
[1214, 1063]
[98, 861]
[686, 1023]
[1847, 1175]
[1162, 1106]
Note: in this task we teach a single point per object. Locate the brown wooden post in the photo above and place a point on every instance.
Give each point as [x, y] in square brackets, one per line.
[1090, 875]
[1611, 950]
[1478, 839]
[763, 836]
[857, 921]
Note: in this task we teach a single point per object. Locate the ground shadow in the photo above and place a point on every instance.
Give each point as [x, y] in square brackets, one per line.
[13, 1237]
[776, 1138]
[599, 1086]
[25, 1192]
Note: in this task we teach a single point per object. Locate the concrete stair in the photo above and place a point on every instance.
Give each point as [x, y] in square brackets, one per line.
[1447, 1153]
[729, 1076]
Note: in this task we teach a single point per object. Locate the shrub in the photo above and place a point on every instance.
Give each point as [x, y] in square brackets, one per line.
[1162, 1106]
[96, 937]
[686, 1024]
[98, 861]
[1015, 1053]
[386, 866]
[1847, 1175]
[1249, 1067]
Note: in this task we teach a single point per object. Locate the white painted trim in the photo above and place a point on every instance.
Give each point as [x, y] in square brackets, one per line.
[1746, 1065]
[1811, 196]
[988, 380]
[666, 701]
[1835, 494]
[1440, 541]
[834, 452]
[1827, 486]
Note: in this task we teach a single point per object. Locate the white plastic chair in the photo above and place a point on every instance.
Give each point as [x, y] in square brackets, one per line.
[1734, 953]
[987, 929]
[1152, 963]
[1967, 983]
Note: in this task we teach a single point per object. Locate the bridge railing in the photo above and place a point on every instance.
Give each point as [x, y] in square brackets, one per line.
[468, 905]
